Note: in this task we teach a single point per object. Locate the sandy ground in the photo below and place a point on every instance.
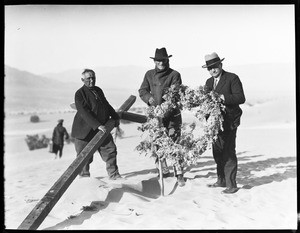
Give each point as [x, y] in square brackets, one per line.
[267, 199]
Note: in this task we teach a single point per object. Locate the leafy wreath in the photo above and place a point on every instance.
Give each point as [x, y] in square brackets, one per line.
[207, 107]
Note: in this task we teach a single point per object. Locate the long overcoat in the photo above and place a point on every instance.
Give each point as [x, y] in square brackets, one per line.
[231, 87]
[58, 135]
[156, 83]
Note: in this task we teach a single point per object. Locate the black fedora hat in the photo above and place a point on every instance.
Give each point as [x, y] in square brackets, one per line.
[161, 54]
[212, 59]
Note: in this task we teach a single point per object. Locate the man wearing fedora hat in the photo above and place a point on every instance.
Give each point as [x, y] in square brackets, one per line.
[153, 87]
[229, 86]
[58, 135]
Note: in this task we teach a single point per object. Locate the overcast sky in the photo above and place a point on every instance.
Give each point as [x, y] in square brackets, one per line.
[55, 38]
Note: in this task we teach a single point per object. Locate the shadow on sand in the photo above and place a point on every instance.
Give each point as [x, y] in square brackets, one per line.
[145, 191]
[150, 189]
[245, 177]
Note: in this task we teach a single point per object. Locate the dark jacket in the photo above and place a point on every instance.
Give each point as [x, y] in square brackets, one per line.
[58, 135]
[231, 87]
[91, 112]
[155, 83]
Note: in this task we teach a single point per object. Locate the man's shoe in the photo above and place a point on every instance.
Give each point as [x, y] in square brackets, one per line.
[180, 180]
[116, 177]
[217, 184]
[230, 190]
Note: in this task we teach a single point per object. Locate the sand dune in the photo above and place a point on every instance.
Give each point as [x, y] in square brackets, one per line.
[267, 199]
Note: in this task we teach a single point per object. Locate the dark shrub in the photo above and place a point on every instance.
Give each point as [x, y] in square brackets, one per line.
[34, 118]
[36, 142]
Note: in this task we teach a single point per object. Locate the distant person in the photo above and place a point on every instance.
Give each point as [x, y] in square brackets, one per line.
[155, 82]
[229, 86]
[59, 133]
[93, 111]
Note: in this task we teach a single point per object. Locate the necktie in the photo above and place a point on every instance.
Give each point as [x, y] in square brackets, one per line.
[215, 83]
[95, 93]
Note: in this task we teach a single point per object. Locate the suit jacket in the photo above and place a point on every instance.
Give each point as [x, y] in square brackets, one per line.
[231, 87]
[92, 112]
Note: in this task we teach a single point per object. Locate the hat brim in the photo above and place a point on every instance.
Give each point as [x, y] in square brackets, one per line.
[206, 66]
[155, 58]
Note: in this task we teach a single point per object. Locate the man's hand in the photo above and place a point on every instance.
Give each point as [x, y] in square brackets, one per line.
[117, 123]
[102, 128]
[152, 101]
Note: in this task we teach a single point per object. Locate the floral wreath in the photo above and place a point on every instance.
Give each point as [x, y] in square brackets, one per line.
[208, 108]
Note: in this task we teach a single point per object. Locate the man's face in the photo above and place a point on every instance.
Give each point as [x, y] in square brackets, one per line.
[88, 79]
[161, 64]
[215, 70]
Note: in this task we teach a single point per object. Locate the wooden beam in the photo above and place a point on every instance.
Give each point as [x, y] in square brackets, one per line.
[124, 107]
[133, 117]
[45, 205]
[127, 104]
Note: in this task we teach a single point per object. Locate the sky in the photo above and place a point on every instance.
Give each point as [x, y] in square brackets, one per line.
[55, 38]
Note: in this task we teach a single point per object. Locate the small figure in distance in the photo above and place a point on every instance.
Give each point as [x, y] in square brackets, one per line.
[59, 134]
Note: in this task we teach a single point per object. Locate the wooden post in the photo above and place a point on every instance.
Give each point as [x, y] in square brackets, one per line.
[127, 104]
[45, 205]
[160, 169]
[134, 117]
[161, 178]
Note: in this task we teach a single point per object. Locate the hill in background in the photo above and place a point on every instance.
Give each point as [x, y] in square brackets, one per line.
[25, 91]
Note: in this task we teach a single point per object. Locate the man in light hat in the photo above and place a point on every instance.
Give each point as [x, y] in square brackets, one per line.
[229, 86]
[155, 82]
[58, 135]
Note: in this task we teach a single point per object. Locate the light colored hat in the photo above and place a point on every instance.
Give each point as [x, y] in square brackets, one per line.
[212, 59]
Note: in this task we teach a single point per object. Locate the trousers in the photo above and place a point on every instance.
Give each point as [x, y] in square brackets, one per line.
[225, 157]
[58, 148]
[173, 126]
[107, 151]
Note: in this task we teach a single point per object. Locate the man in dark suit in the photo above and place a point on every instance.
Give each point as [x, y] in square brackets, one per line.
[229, 86]
[93, 111]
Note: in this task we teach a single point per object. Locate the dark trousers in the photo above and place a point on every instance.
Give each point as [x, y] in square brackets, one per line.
[173, 126]
[58, 148]
[225, 157]
[107, 151]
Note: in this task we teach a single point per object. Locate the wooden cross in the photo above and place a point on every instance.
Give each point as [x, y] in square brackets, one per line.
[45, 205]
